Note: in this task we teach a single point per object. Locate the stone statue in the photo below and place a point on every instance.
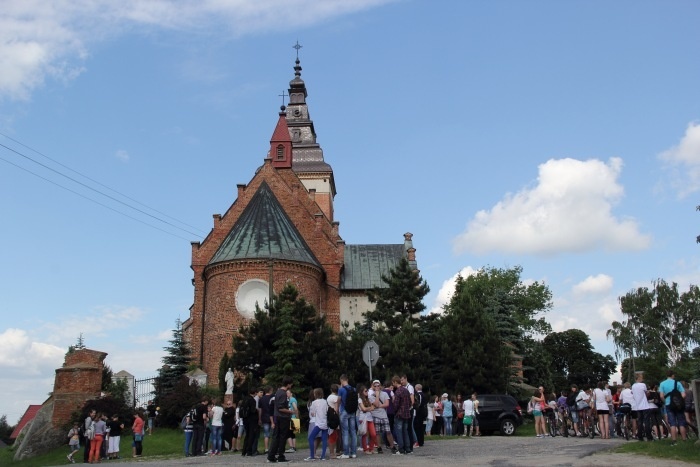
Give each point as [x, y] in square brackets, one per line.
[229, 382]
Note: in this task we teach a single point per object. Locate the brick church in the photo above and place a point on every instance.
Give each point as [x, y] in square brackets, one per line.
[282, 229]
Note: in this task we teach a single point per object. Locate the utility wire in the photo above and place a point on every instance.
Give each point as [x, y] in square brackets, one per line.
[98, 191]
[98, 183]
[90, 199]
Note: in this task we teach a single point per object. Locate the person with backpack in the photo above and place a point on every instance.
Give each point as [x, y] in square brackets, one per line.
[333, 417]
[348, 418]
[673, 394]
[421, 405]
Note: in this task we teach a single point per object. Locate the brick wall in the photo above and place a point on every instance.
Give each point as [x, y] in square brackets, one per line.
[79, 380]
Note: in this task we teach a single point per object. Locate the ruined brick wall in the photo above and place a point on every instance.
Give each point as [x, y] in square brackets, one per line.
[78, 380]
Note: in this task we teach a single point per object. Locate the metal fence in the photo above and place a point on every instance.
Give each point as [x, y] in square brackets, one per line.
[144, 391]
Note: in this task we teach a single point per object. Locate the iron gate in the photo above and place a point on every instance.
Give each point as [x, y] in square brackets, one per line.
[144, 391]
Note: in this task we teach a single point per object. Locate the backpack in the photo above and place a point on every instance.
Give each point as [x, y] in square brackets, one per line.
[677, 404]
[333, 418]
[244, 409]
[351, 400]
[530, 407]
[90, 432]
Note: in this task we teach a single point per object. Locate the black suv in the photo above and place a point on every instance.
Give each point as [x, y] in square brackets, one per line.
[499, 412]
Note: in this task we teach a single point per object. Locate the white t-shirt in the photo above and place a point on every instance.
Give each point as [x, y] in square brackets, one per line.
[583, 396]
[319, 413]
[216, 412]
[626, 397]
[379, 412]
[333, 402]
[639, 391]
[468, 407]
[600, 402]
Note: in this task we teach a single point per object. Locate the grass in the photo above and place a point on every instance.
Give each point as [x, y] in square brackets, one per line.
[162, 445]
[686, 451]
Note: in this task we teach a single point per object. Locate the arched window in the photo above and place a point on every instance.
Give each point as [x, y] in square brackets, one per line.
[280, 152]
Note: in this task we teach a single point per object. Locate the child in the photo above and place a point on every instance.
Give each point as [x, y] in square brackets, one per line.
[74, 442]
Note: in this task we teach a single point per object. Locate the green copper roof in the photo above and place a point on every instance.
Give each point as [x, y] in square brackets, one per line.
[365, 265]
[264, 231]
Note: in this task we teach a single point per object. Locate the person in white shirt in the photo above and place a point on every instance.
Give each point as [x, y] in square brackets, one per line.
[639, 391]
[601, 406]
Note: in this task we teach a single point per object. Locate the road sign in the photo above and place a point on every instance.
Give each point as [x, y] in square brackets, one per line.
[370, 353]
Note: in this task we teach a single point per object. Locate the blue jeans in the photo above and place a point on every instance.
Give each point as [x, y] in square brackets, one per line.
[448, 425]
[401, 427]
[188, 441]
[216, 438]
[348, 425]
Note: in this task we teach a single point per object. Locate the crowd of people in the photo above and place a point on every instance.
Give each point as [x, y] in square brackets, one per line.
[101, 437]
[600, 410]
[394, 416]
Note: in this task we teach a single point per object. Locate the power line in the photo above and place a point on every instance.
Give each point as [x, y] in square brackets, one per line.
[96, 190]
[90, 199]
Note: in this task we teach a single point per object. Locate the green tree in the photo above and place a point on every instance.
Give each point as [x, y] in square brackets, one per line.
[574, 361]
[5, 429]
[400, 301]
[288, 338]
[537, 366]
[660, 320]
[517, 309]
[473, 354]
[176, 362]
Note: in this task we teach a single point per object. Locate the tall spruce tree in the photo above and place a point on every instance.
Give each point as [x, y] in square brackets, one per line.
[401, 300]
[175, 363]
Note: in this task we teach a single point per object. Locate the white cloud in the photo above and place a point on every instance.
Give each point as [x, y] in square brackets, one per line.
[682, 162]
[21, 355]
[602, 283]
[448, 288]
[569, 210]
[40, 40]
[122, 155]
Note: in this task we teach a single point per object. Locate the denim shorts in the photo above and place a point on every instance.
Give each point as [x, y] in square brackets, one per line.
[266, 429]
[675, 418]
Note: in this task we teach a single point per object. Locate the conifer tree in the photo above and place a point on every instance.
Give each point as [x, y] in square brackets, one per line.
[175, 363]
[401, 300]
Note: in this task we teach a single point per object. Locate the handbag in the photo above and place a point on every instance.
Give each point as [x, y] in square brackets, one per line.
[295, 426]
[362, 428]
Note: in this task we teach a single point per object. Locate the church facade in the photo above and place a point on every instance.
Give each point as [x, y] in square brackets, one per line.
[282, 229]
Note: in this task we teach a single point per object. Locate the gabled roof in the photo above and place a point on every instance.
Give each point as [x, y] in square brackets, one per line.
[264, 231]
[365, 265]
[28, 416]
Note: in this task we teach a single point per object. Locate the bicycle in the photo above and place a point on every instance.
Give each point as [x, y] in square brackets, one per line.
[624, 421]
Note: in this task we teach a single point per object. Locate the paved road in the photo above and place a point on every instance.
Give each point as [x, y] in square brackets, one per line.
[494, 451]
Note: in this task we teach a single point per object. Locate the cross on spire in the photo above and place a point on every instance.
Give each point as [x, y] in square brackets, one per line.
[283, 95]
[297, 46]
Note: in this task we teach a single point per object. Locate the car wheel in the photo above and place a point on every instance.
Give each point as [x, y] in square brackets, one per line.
[507, 427]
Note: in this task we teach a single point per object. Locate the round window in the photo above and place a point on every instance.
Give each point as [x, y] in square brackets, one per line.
[250, 293]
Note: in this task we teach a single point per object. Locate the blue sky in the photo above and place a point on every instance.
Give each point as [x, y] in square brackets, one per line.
[560, 136]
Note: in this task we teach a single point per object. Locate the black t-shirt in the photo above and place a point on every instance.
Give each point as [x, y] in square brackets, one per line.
[115, 428]
[199, 412]
[151, 411]
[281, 402]
[229, 417]
[265, 408]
